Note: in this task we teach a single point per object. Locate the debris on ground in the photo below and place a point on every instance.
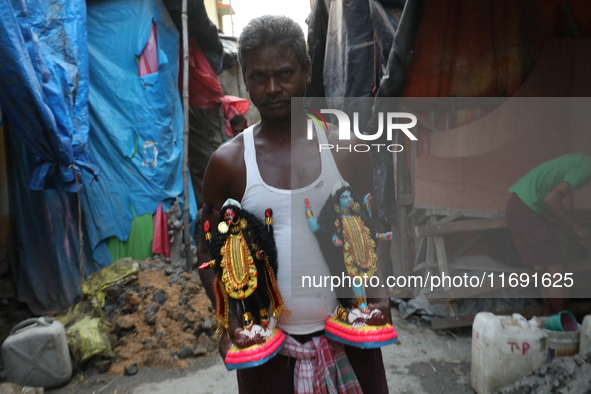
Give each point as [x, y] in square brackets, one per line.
[13, 388]
[564, 375]
[162, 319]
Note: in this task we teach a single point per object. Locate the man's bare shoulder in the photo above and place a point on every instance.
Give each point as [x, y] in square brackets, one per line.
[228, 154]
[225, 175]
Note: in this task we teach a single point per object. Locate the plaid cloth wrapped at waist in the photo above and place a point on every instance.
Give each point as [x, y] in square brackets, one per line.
[322, 366]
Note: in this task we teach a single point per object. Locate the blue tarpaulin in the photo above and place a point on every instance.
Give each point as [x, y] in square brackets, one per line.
[44, 96]
[135, 133]
[136, 122]
[44, 86]
[47, 268]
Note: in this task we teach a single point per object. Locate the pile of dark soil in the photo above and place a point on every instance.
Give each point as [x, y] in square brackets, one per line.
[161, 320]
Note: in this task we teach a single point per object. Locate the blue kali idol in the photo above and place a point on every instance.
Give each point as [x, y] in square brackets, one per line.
[343, 231]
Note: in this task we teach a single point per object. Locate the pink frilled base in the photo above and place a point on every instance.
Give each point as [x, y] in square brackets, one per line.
[255, 355]
[367, 337]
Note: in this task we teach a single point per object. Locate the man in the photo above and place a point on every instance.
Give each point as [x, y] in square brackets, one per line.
[538, 193]
[257, 169]
[238, 124]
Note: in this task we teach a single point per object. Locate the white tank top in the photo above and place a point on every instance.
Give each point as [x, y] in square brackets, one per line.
[298, 252]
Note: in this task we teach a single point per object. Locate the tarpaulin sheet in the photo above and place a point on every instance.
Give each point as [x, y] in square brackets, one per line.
[361, 48]
[47, 239]
[349, 57]
[44, 86]
[44, 96]
[205, 90]
[136, 122]
[200, 27]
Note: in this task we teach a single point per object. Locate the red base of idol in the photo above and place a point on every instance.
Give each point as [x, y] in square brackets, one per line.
[255, 355]
[367, 337]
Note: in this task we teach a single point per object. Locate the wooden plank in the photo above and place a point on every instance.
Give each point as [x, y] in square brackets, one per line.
[456, 293]
[404, 236]
[441, 255]
[465, 247]
[416, 213]
[469, 213]
[418, 252]
[406, 199]
[424, 265]
[450, 218]
[429, 260]
[458, 227]
[466, 267]
[418, 217]
[467, 320]
[413, 165]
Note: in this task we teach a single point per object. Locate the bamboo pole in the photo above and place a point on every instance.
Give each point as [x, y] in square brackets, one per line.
[186, 223]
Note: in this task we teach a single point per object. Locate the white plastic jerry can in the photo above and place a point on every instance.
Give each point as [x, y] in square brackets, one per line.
[585, 343]
[504, 349]
[36, 354]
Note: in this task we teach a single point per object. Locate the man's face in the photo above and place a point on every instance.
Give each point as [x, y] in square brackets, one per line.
[273, 76]
[238, 128]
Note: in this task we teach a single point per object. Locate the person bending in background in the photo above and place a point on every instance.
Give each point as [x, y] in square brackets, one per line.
[539, 193]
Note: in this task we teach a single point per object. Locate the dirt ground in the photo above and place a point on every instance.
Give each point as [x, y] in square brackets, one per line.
[163, 332]
[426, 362]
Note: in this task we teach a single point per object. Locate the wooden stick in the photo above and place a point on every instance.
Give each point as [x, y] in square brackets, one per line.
[186, 224]
[427, 361]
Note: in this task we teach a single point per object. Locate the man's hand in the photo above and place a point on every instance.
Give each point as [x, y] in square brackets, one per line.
[224, 346]
[228, 336]
[383, 304]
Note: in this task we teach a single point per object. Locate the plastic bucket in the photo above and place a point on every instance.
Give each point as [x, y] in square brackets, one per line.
[563, 344]
[562, 321]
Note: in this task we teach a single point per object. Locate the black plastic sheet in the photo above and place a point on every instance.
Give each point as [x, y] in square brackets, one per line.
[200, 27]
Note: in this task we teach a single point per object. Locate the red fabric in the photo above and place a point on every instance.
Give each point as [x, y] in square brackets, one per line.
[231, 106]
[205, 90]
[161, 243]
[148, 62]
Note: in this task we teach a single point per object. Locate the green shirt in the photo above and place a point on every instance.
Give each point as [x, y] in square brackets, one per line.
[574, 168]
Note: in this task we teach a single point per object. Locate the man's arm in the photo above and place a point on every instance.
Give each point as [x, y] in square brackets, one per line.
[224, 178]
[214, 192]
[555, 208]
